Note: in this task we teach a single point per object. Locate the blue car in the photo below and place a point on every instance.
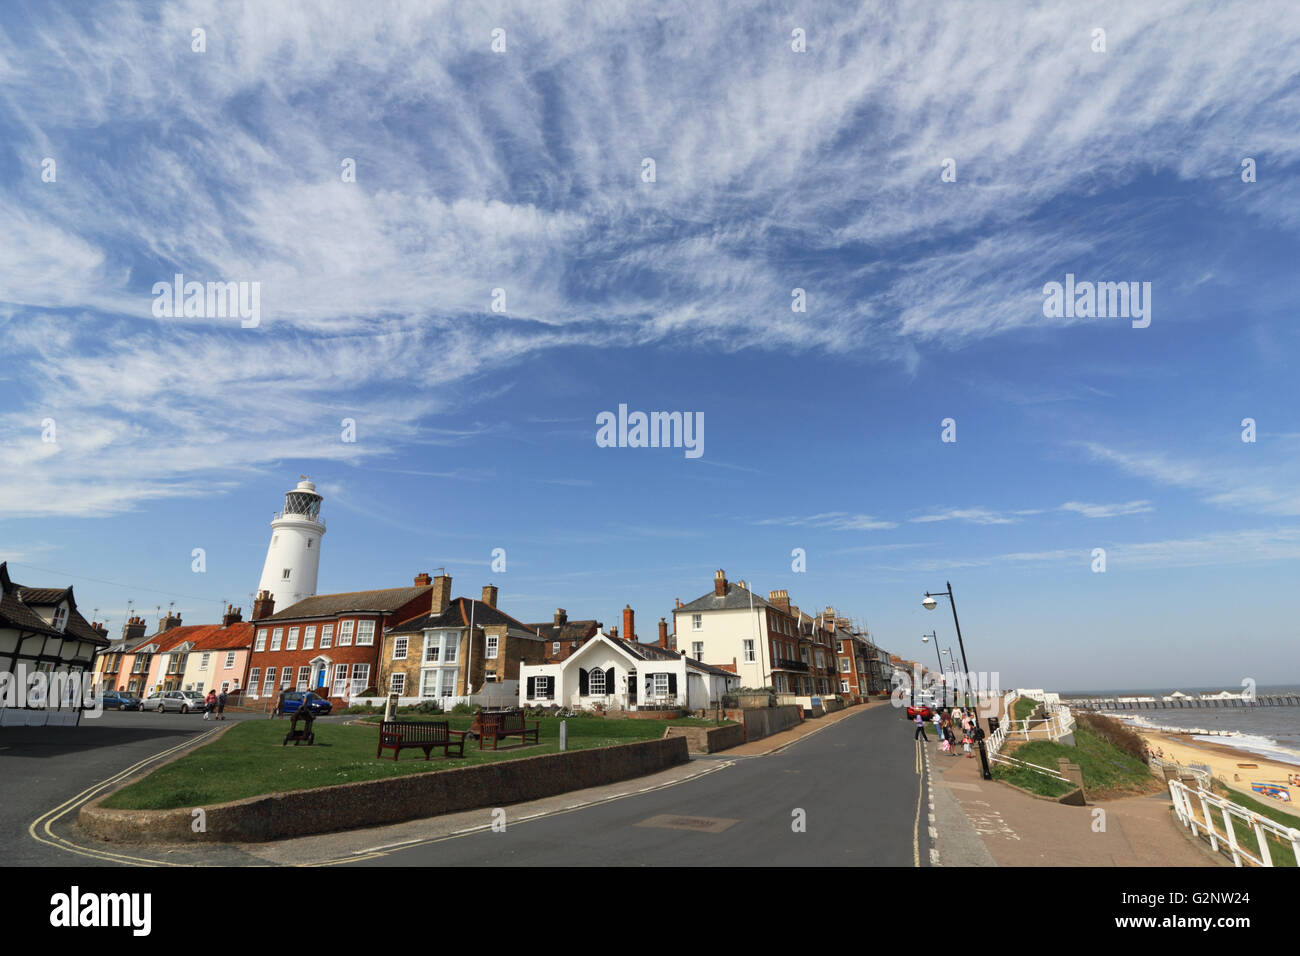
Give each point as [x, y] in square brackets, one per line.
[120, 700]
[290, 701]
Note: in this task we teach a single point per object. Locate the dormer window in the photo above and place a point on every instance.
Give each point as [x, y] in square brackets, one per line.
[60, 618]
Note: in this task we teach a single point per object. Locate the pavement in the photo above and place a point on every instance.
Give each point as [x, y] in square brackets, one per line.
[1019, 829]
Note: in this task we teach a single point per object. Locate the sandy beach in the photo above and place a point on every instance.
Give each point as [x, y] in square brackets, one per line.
[1235, 768]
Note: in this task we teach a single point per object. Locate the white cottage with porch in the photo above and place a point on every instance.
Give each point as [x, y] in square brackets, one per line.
[612, 675]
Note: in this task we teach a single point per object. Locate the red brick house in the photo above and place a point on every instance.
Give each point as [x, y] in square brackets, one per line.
[329, 643]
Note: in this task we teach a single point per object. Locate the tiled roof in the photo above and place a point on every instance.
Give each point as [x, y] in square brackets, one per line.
[15, 610]
[568, 631]
[458, 614]
[332, 605]
[237, 635]
[735, 599]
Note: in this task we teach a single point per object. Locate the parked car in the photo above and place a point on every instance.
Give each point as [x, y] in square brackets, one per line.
[121, 700]
[291, 700]
[184, 701]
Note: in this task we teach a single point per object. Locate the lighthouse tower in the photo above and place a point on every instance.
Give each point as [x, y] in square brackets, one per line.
[294, 555]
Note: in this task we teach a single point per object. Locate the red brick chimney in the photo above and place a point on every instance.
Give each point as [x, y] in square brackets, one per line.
[422, 580]
[663, 633]
[264, 606]
[233, 615]
[561, 616]
[441, 593]
[490, 595]
[720, 583]
[629, 623]
[99, 629]
[779, 599]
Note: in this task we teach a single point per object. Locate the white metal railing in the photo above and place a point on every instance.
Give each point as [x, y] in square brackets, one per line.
[1026, 765]
[1186, 800]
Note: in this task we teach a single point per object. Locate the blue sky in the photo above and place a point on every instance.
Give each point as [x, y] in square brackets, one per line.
[775, 170]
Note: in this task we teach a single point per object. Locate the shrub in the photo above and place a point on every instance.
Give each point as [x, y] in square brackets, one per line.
[428, 707]
[461, 709]
[1118, 735]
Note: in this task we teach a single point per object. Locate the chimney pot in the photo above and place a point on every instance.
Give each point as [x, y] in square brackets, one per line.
[720, 583]
[663, 633]
[629, 623]
[561, 616]
[264, 606]
[422, 580]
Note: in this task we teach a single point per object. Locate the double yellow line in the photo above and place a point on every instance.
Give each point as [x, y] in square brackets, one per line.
[920, 789]
[41, 830]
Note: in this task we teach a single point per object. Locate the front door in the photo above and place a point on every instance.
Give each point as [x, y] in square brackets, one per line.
[631, 689]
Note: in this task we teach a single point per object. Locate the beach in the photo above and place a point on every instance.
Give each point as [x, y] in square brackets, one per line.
[1231, 766]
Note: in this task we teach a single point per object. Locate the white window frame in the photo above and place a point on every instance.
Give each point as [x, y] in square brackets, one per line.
[591, 683]
[397, 683]
[261, 641]
[268, 683]
[697, 622]
[345, 632]
[326, 636]
[543, 688]
[400, 645]
[230, 660]
[204, 658]
[491, 647]
[748, 645]
[447, 675]
[658, 679]
[340, 679]
[309, 637]
[555, 648]
[844, 665]
[697, 650]
[292, 643]
[277, 638]
[254, 679]
[360, 683]
[365, 633]
[286, 677]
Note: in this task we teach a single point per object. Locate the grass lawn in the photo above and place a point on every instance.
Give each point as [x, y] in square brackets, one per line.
[1022, 707]
[248, 760]
[1106, 768]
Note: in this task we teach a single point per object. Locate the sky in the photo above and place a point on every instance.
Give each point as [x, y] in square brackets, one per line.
[462, 252]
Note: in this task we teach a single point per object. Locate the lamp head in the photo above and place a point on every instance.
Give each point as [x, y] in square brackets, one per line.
[929, 603]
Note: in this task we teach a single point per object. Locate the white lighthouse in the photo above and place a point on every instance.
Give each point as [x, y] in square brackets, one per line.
[294, 554]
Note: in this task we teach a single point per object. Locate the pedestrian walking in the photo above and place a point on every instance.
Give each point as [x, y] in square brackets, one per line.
[209, 704]
[221, 705]
[938, 726]
[920, 728]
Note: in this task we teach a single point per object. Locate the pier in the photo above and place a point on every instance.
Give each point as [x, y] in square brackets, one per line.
[1181, 703]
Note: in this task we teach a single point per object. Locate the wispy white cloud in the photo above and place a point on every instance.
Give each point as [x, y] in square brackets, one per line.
[1107, 511]
[833, 520]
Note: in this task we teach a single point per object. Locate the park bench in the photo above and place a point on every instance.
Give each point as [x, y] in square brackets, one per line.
[425, 735]
[505, 723]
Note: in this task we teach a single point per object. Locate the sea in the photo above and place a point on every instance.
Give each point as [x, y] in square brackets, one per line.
[1272, 732]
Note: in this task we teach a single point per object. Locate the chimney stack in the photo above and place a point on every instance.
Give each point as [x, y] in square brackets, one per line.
[561, 616]
[629, 625]
[133, 628]
[663, 633]
[779, 599]
[167, 623]
[233, 615]
[720, 583]
[264, 606]
[441, 593]
[422, 580]
[613, 634]
[490, 595]
[99, 629]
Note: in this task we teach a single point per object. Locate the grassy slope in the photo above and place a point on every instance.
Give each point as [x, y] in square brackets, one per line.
[1022, 707]
[1281, 853]
[1105, 768]
[248, 760]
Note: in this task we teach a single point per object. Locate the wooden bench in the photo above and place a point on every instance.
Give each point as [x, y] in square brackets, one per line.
[505, 723]
[425, 735]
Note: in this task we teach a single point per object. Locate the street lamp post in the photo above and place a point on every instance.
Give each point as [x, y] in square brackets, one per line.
[925, 639]
[929, 603]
